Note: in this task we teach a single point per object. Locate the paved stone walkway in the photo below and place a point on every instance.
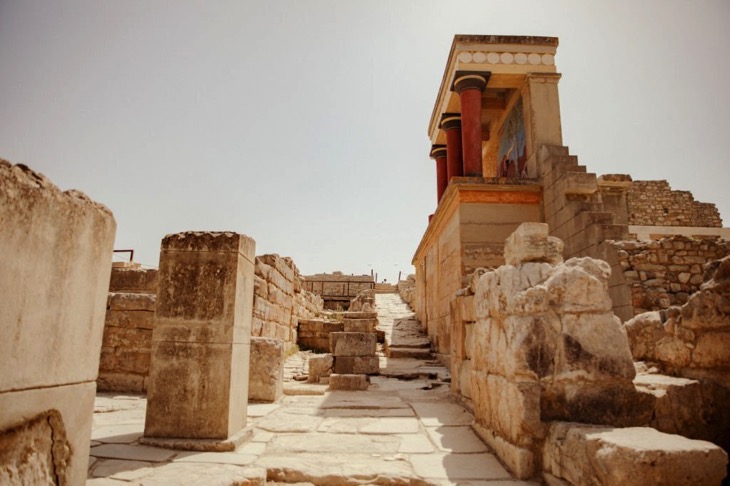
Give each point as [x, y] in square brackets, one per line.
[399, 431]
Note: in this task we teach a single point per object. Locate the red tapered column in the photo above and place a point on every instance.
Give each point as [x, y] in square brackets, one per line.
[438, 153]
[451, 124]
[470, 87]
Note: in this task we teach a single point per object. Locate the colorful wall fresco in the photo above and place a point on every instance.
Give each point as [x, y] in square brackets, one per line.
[512, 153]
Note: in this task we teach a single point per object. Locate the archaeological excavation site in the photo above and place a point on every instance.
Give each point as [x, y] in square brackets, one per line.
[561, 328]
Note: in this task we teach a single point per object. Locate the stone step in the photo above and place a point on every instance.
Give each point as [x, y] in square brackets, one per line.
[417, 353]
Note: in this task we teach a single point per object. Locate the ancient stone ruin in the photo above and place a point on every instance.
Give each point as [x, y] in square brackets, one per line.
[561, 328]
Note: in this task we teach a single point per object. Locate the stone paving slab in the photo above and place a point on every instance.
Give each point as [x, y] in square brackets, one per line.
[234, 458]
[132, 453]
[324, 442]
[118, 433]
[122, 470]
[336, 469]
[436, 414]
[459, 439]
[458, 466]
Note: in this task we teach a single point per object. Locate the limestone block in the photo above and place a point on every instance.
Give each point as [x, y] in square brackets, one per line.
[348, 382]
[360, 325]
[192, 393]
[68, 433]
[266, 370]
[134, 280]
[712, 350]
[520, 460]
[531, 243]
[581, 285]
[260, 288]
[635, 456]
[320, 365]
[365, 365]
[510, 410]
[130, 319]
[55, 256]
[127, 359]
[122, 382]
[361, 315]
[198, 384]
[353, 343]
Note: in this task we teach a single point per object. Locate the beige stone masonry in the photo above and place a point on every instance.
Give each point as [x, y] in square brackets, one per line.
[201, 342]
[55, 254]
[636, 456]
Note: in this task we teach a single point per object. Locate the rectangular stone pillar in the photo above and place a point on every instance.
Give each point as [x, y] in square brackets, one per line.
[198, 387]
[55, 259]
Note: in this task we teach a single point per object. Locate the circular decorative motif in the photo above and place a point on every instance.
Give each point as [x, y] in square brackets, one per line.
[493, 58]
[465, 57]
[548, 59]
[534, 58]
[520, 58]
[507, 57]
[479, 57]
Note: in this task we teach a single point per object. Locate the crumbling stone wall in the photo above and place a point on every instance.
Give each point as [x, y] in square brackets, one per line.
[547, 369]
[545, 346]
[280, 299]
[55, 255]
[664, 273]
[124, 364]
[654, 203]
[279, 303]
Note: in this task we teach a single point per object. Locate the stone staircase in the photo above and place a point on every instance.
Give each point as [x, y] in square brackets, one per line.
[404, 334]
[384, 288]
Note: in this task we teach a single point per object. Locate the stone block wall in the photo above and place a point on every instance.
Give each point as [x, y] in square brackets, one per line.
[664, 273]
[55, 255]
[281, 299]
[336, 289]
[125, 351]
[541, 344]
[654, 203]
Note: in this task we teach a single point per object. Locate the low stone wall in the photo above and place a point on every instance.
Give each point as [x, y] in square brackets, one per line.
[665, 272]
[279, 303]
[280, 299]
[55, 255]
[654, 203]
[535, 345]
[125, 351]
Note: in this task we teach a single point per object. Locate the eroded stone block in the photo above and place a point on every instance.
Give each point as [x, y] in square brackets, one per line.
[348, 382]
[320, 366]
[266, 372]
[531, 243]
[353, 343]
[366, 365]
[635, 456]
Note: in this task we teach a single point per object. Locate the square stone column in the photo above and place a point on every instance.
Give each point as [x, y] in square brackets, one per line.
[198, 385]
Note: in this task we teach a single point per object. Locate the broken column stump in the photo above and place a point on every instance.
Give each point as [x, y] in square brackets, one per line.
[199, 371]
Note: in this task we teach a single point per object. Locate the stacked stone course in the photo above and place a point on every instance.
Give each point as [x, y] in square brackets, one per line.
[125, 353]
[280, 300]
[665, 272]
[654, 203]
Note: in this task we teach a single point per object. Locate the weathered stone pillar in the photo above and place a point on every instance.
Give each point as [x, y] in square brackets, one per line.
[542, 117]
[438, 153]
[55, 259]
[198, 387]
[451, 124]
[470, 87]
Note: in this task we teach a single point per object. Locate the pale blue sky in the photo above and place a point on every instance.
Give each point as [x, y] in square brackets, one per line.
[303, 123]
